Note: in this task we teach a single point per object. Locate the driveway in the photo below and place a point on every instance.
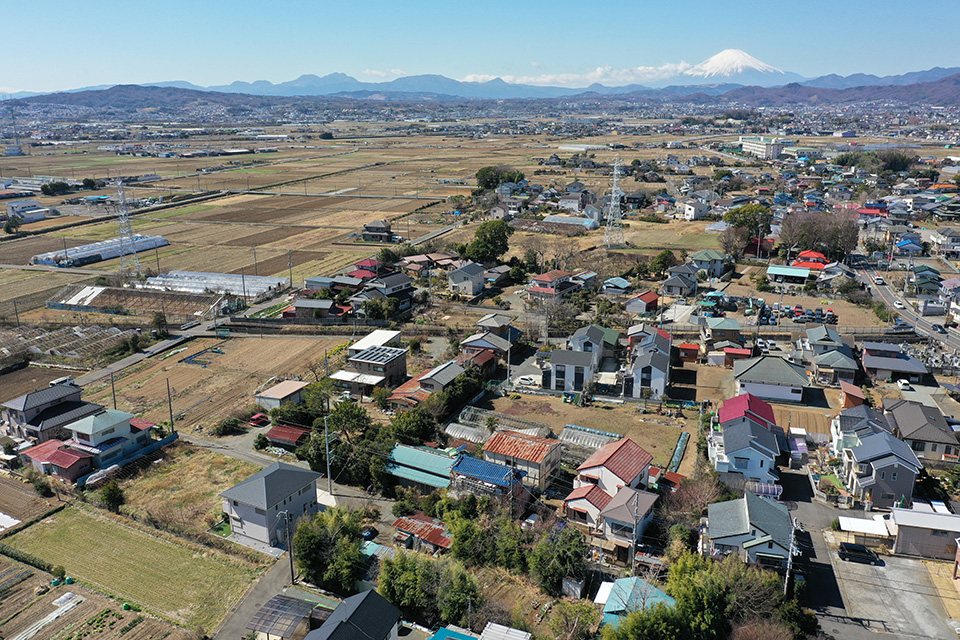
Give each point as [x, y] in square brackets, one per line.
[897, 597]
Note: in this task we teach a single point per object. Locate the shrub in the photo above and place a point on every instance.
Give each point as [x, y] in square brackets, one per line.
[260, 442]
[835, 525]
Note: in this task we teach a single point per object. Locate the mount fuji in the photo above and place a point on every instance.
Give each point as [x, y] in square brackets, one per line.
[733, 66]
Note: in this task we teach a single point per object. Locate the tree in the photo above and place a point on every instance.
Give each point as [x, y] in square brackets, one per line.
[492, 240]
[260, 442]
[754, 218]
[12, 225]
[663, 261]
[557, 556]
[734, 241]
[574, 620]
[833, 234]
[689, 501]
[89, 183]
[159, 324]
[493, 177]
[380, 396]
[413, 426]
[112, 496]
[327, 548]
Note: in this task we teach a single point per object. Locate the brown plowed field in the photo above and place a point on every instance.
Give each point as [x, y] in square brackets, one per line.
[266, 237]
[20, 251]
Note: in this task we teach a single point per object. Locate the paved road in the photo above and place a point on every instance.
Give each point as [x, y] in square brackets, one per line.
[43, 267]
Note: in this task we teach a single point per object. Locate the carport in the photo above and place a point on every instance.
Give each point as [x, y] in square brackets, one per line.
[868, 532]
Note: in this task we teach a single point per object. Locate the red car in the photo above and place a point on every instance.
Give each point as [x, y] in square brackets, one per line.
[259, 420]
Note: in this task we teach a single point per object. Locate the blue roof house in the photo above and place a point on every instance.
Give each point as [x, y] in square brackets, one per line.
[484, 478]
[629, 595]
[421, 468]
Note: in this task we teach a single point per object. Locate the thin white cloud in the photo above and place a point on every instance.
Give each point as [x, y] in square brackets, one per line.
[606, 75]
[376, 73]
[535, 64]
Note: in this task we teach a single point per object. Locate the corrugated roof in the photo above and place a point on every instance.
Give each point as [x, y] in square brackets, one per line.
[286, 434]
[425, 528]
[420, 464]
[633, 594]
[521, 446]
[65, 458]
[42, 452]
[925, 520]
[498, 474]
[624, 459]
[282, 390]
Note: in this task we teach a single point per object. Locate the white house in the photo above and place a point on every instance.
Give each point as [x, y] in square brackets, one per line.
[108, 436]
[279, 394]
[709, 260]
[583, 505]
[690, 209]
[747, 450]
[569, 370]
[626, 517]
[260, 507]
[771, 378]
[623, 463]
[468, 279]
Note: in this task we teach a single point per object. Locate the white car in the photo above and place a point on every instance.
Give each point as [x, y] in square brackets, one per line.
[904, 385]
[877, 280]
[771, 344]
[527, 381]
[899, 305]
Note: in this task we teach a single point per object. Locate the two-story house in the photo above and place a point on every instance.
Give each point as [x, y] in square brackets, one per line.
[880, 471]
[467, 280]
[623, 463]
[263, 505]
[373, 367]
[625, 519]
[850, 425]
[923, 428]
[756, 528]
[945, 242]
[364, 616]
[414, 391]
[772, 378]
[482, 478]
[719, 330]
[107, 436]
[709, 260]
[377, 231]
[551, 285]
[568, 370]
[744, 452]
[598, 341]
[882, 361]
[44, 414]
[538, 457]
[821, 339]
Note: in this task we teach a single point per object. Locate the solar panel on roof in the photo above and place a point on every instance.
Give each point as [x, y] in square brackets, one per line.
[281, 616]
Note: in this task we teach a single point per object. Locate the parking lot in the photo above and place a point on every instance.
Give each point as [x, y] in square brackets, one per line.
[896, 597]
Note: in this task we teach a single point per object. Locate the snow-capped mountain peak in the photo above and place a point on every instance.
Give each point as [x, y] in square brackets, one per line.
[730, 62]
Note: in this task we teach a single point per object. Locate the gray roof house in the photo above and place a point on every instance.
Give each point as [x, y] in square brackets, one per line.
[745, 452]
[679, 285]
[709, 260]
[254, 506]
[850, 425]
[568, 370]
[468, 279]
[822, 338]
[830, 367]
[364, 616]
[771, 378]
[884, 361]
[45, 413]
[923, 428]
[756, 528]
[880, 471]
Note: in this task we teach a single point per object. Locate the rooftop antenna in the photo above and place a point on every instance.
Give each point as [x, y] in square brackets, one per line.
[613, 233]
[129, 262]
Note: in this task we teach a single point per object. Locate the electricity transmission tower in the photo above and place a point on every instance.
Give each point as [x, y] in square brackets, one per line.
[613, 232]
[129, 262]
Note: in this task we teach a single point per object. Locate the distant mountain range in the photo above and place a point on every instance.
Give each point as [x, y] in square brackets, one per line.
[723, 72]
[941, 92]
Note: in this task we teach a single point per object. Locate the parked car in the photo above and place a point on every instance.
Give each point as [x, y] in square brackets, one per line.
[527, 381]
[939, 328]
[858, 553]
[259, 420]
[903, 385]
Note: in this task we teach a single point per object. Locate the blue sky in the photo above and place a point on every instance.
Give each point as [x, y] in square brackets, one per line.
[60, 44]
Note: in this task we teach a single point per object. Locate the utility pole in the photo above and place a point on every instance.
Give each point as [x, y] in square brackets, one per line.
[113, 390]
[156, 253]
[170, 406]
[256, 270]
[633, 536]
[326, 365]
[326, 443]
[286, 522]
[290, 265]
[16, 312]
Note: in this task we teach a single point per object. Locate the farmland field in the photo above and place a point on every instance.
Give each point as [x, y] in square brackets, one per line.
[195, 588]
[19, 500]
[183, 490]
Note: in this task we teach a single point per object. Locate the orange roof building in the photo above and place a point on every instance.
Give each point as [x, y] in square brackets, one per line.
[538, 457]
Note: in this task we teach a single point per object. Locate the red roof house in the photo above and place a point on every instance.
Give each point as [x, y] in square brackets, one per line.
[747, 406]
[70, 464]
[664, 480]
[584, 504]
[287, 436]
[539, 457]
[623, 463]
[811, 260]
[422, 532]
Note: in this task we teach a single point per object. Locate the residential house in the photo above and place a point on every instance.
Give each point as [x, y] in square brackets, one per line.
[880, 471]
[718, 330]
[574, 202]
[376, 338]
[625, 519]
[467, 280]
[482, 478]
[417, 389]
[109, 436]
[485, 342]
[364, 616]
[833, 367]
[928, 534]
[422, 468]
[551, 285]
[497, 276]
[616, 286]
[422, 533]
[756, 528]
[813, 260]
[538, 457]
[690, 209]
[254, 506]
[945, 242]
[377, 231]
[286, 392]
[623, 463]
[373, 367]
[499, 325]
[569, 370]
[628, 595]
[821, 339]
[287, 437]
[645, 302]
[584, 504]
[746, 408]
[53, 457]
[882, 361]
[44, 414]
[648, 375]
[789, 277]
[599, 341]
[311, 308]
[680, 285]
[709, 260]
[854, 423]
[771, 378]
[923, 428]
[834, 273]
[744, 452]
